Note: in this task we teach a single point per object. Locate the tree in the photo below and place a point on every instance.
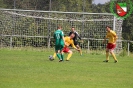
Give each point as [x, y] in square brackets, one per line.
[128, 28]
[2, 4]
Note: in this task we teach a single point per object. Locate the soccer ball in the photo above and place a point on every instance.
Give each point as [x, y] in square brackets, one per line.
[51, 58]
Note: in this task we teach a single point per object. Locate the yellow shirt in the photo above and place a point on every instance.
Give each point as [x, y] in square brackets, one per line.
[69, 42]
[111, 36]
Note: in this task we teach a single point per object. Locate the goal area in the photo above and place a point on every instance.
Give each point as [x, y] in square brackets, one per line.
[34, 28]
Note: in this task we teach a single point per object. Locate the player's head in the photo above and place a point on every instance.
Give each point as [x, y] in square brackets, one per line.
[108, 28]
[59, 27]
[72, 29]
[72, 35]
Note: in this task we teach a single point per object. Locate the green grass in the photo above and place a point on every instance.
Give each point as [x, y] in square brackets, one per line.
[32, 69]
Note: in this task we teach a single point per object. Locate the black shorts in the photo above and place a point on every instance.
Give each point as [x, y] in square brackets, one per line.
[75, 42]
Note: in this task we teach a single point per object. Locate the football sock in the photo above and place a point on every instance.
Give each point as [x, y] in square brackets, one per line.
[59, 56]
[114, 56]
[62, 56]
[69, 55]
[107, 55]
[80, 52]
[54, 55]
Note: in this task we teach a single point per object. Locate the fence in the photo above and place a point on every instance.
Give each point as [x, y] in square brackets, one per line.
[21, 28]
[127, 46]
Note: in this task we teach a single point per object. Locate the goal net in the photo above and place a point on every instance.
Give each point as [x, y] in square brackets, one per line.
[21, 28]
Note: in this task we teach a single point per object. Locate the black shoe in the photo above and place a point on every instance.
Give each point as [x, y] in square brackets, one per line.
[106, 61]
[115, 61]
[60, 60]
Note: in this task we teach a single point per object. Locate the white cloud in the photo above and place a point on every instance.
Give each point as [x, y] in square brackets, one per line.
[100, 1]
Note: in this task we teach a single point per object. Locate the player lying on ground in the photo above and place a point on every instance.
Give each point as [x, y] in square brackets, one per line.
[75, 39]
[111, 35]
[59, 42]
[68, 42]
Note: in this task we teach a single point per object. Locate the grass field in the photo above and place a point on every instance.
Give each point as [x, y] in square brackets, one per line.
[32, 69]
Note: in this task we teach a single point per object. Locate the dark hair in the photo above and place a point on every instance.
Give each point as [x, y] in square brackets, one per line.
[59, 27]
[108, 27]
[72, 33]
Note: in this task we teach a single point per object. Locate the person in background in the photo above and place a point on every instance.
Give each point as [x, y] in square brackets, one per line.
[75, 39]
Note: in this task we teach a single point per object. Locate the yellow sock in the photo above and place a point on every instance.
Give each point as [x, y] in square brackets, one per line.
[54, 55]
[80, 52]
[107, 55]
[114, 56]
[69, 55]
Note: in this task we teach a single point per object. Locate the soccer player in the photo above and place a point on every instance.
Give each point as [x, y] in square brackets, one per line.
[59, 43]
[68, 42]
[112, 37]
[75, 39]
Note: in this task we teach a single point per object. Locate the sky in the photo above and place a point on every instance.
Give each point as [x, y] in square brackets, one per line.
[100, 1]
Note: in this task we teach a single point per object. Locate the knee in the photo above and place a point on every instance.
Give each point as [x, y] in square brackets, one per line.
[70, 52]
[107, 50]
[111, 52]
[62, 52]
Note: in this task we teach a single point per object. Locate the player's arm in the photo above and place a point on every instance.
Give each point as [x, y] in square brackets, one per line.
[115, 39]
[63, 39]
[105, 38]
[62, 34]
[74, 46]
[78, 35]
[115, 36]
